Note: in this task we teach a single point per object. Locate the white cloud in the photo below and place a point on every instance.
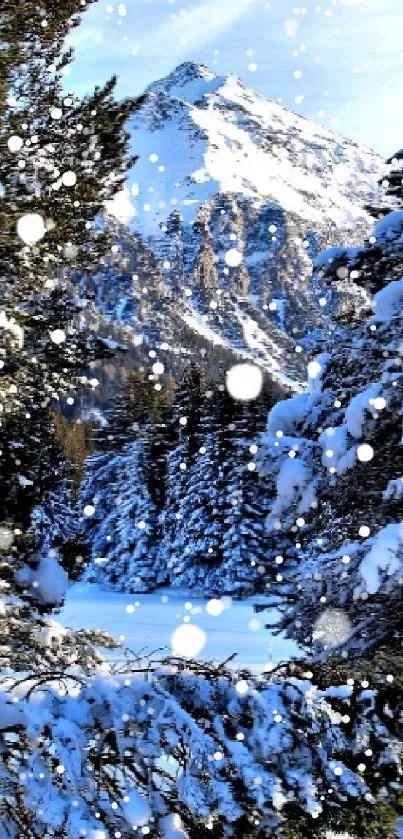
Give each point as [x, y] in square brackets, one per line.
[196, 28]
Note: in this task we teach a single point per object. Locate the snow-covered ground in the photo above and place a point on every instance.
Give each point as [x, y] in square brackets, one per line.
[147, 621]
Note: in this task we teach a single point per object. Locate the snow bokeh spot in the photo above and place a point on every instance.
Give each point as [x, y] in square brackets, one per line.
[365, 453]
[291, 27]
[332, 628]
[69, 179]
[58, 336]
[244, 382]
[364, 531]
[242, 687]
[15, 143]
[214, 607]
[188, 640]
[233, 258]
[31, 228]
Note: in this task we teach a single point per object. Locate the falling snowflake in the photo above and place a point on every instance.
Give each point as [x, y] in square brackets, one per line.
[244, 382]
[158, 368]
[364, 531]
[291, 27]
[365, 453]
[69, 179]
[233, 257]
[314, 369]
[332, 628]
[214, 607]
[58, 336]
[188, 640]
[15, 143]
[31, 228]
[56, 113]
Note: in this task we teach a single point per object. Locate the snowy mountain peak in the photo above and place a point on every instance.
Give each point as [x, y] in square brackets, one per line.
[188, 83]
[186, 73]
[199, 135]
[221, 168]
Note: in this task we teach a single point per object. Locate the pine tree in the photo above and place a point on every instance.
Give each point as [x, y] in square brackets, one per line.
[61, 159]
[124, 484]
[121, 518]
[198, 541]
[393, 181]
[183, 434]
[379, 260]
[245, 543]
[333, 457]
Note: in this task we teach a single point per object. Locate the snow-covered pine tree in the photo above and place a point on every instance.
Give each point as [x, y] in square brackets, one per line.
[380, 259]
[124, 487]
[194, 749]
[123, 519]
[54, 521]
[393, 182]
[206, 472]
[245, 540]
[198, 541]
[97, 502]
[183, 435]
[61, 158]
[333, 454]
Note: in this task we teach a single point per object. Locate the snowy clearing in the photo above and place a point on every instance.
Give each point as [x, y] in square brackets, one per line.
[150, 625]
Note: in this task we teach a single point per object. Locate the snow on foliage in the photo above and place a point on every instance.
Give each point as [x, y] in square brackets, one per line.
[186, 751]
[11, 714]
[13, 328]
[335, 254]
[335, 452]
[295, 489]
[355, 411]
[332, 459]
[394, 490]
[389, 301]
[285, 415]
[47, 583]
[383, 560]
[389, 227]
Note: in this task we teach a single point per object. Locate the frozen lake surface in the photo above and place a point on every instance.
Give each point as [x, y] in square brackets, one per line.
[147, 622]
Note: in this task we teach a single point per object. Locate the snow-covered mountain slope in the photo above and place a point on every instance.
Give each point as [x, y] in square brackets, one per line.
[230, 201]
[199, 134]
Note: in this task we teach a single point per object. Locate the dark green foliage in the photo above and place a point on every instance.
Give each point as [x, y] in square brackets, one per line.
[86, 137]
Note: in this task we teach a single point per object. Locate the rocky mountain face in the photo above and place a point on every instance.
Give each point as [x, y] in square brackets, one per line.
[217, 229]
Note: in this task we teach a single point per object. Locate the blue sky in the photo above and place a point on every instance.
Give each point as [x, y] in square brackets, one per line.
[339, 62]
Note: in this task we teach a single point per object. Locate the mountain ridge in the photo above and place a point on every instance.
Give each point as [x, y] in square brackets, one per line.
[226, 176]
